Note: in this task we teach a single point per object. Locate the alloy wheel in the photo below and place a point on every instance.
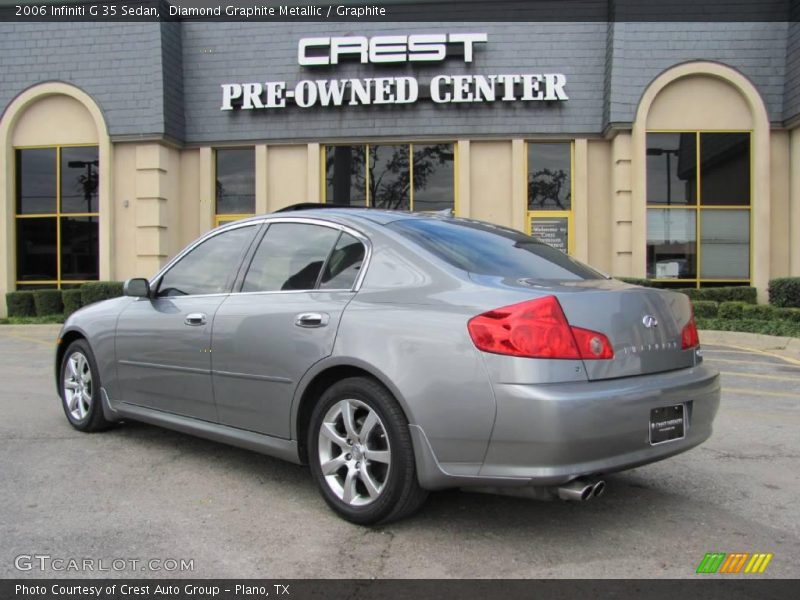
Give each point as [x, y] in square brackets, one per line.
[354, 452]
[78, 389]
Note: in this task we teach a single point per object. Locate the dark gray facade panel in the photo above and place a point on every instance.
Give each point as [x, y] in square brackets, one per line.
[163, 79]
[172, 57]
[118, 64]
[216, 53]
[642, 51]
[792, 94]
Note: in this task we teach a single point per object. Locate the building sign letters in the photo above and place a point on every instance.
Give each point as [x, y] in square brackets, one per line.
[319, 52]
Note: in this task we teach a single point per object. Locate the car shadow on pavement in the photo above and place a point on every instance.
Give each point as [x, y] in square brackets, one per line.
[629, 500]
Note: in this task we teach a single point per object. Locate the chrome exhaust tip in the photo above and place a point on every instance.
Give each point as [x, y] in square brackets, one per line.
[598, 489]
[577, 490]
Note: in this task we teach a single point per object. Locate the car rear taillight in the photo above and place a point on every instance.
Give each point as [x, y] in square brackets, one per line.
[689, 337]
[536, 329]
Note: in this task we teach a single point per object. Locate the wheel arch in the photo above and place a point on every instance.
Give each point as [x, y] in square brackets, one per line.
[320, 378]
[65, 339]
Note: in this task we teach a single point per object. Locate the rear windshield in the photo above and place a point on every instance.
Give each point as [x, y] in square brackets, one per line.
[486, 249]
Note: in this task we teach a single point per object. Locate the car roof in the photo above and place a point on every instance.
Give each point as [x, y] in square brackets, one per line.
[343, 215]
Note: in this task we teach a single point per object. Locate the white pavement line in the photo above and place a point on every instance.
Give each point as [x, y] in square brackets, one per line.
[741, 391]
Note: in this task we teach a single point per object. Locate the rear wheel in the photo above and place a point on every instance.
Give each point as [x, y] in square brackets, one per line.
[361, 455]
[79, 387]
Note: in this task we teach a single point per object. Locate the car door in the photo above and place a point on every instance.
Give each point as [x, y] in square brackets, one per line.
[283, 321]
[163, 343]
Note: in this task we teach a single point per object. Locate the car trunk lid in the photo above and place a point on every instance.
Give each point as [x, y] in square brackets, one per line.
[644, 325]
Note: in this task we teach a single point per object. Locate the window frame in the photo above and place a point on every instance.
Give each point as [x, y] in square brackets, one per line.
[225, 218]
[549, 213]
[155, 282]
[263, 223]
[365, 241]
[58, 282]
[698, 281]
[323, 170]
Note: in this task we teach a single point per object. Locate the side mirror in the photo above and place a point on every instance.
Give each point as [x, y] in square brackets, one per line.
[138, 287]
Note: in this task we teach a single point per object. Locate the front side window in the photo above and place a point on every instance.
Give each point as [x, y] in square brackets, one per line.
[235, 184]
[291, 256]
[550, 193]
[57, 216]
[209, 268]
[416, 177]
[698, 217]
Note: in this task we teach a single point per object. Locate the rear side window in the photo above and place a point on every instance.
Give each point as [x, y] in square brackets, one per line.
[290, 257]
[486, 249]
[344, 264]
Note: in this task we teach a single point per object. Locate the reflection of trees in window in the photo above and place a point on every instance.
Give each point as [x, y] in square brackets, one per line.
[389, 177]
[433, 176]
[344, 169]
[549, 175]
[235, 181]
[57, 216]
[549, 189]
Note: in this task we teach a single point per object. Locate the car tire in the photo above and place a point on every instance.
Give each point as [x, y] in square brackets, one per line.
[79, 388]
[363, 463]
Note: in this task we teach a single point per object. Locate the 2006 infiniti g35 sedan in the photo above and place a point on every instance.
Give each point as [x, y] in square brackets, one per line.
[397, 353]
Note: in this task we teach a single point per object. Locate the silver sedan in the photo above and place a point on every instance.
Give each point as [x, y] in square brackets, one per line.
[396, 354]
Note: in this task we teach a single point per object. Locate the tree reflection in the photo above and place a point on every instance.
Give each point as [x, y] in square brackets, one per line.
[549, 189]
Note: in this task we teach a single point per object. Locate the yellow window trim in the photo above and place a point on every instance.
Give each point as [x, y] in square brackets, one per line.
[323, 175]
[230, 218]
[568, 214]
[58, 215]
[220, 218]
[698, 207]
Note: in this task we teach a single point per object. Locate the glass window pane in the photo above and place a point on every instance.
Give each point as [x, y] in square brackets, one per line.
[549, 176]
[210, 267]
[672, 168]
[491, 250]
[553, 231]
[236, 181]
[725, 244]
[79, 243]
[671, 244]
[29, 287]
[725, 169]
[344, 175]
[36, 249]
[433, 177]
[389, 177]
[290, 257]
[344, 264]
[36, 181]
[79, 179]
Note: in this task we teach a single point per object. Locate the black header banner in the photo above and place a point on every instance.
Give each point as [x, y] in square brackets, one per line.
[711, 588]
[405, 10]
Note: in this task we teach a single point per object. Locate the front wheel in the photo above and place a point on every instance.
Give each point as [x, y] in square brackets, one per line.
[79, 388]
[361, 455]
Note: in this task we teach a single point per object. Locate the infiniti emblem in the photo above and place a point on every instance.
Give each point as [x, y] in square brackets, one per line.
[649, 321]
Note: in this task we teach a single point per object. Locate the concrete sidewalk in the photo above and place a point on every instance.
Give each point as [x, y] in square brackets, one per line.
[786, 348]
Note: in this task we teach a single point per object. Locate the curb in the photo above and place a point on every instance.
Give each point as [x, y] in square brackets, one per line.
[785, 347]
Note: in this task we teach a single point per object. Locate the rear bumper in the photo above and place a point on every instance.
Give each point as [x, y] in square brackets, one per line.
[551, 434]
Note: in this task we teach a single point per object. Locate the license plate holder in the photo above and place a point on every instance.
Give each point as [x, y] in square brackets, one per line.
[667, 424]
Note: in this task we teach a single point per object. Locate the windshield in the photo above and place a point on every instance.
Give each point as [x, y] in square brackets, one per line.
[486, 249]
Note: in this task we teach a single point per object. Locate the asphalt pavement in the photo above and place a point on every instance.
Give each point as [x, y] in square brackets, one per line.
[141, 493]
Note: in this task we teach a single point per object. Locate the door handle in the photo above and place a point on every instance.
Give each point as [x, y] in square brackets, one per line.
[311, 320]
[195, 319]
